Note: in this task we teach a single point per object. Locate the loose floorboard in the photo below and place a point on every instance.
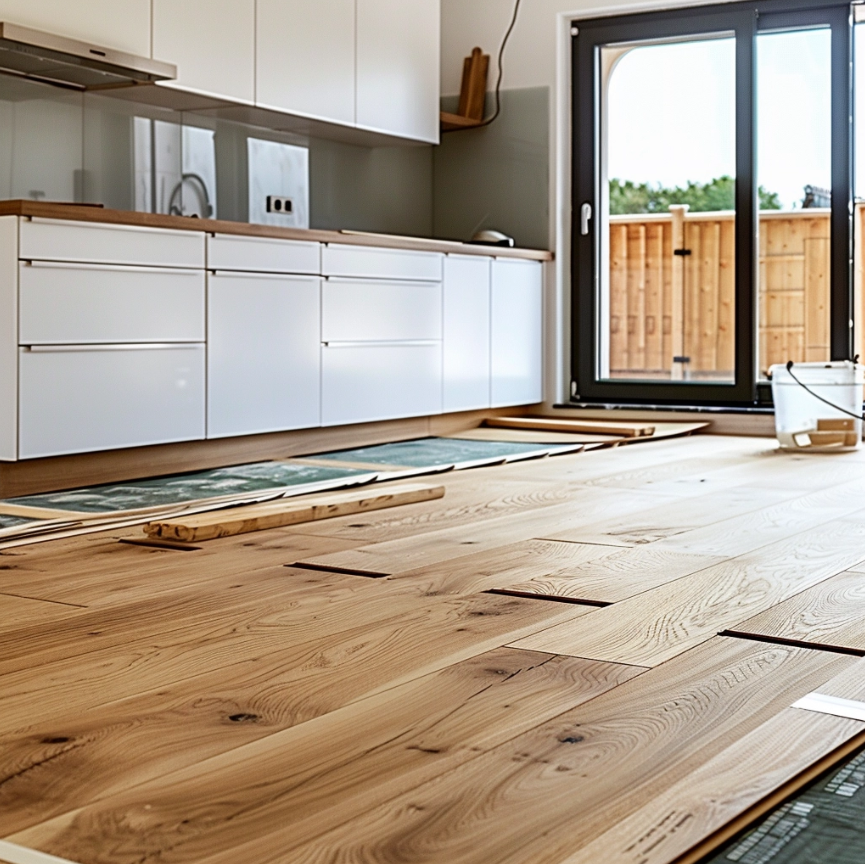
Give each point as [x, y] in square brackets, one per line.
[830, 614]
[223, 705]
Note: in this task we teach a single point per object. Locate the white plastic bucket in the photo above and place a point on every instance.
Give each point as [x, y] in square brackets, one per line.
[805, 423]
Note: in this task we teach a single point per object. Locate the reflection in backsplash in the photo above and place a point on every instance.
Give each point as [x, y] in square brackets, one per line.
[63, 145]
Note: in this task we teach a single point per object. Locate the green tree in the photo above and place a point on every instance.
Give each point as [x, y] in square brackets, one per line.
[718, 194]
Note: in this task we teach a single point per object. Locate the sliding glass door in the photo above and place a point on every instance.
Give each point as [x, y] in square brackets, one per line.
[697, 262]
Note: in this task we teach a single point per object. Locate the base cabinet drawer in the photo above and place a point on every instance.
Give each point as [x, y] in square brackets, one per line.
[367, 262]
[77, 399]
[59, 240]
[362, 383]
[263, 353]
[263, 254]
[80, 304]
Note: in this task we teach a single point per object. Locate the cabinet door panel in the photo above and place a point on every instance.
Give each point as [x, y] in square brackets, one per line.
[212, 42]
[121, 24]
[263, 353]
[380, 311]
[380, 382]
[398, 59]
[517, 333]
[75, 400]
[305, 57]
[79, 303]
[466, 333]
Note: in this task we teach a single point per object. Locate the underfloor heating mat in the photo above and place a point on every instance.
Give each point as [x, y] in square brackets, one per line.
[426, 455]
[822, 824]
[238, 480]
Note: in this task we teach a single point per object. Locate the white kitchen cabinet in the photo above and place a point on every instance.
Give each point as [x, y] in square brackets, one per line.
[355, 311]
[263, 353]
[466, 333]
[398, 59]
[8, 338]
[212, 43]
[305, 57]
[380, 381]
[516, 332]
[91, 303]
[120, 24]
[74, 399]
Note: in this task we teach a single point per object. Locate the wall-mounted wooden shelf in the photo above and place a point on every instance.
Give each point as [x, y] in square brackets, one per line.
[452, 122]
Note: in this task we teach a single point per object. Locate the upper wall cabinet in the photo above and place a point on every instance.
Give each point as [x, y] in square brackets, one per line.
[398, 50]
[305, 57]
[212, 42]
[121, 24]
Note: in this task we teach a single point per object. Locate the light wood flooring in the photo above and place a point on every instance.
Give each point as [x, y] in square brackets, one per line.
[578, 659]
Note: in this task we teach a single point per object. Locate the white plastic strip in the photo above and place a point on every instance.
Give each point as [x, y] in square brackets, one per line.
[12, 854]
[832, 705]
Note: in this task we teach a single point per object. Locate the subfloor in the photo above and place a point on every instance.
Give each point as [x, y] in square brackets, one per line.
[537, 678]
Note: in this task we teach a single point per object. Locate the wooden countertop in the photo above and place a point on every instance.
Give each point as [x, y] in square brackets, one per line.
[94, 213]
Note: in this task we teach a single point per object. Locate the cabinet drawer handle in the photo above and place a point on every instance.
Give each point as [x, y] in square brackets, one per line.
[115, 346]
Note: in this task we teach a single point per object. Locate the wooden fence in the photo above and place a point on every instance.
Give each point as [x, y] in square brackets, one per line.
[663, 305]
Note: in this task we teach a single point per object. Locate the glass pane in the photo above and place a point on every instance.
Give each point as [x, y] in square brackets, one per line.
[794, 177]
[859, 186]
[667, 220]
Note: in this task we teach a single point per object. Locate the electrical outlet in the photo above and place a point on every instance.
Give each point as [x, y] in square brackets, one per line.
[279, 204]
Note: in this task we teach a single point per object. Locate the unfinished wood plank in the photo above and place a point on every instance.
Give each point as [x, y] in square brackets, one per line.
[651, 628]
[538, 436]
[622, 430]
[601, 761]
[19, 610]
[829, 614]
[278, 514]
[323, 771]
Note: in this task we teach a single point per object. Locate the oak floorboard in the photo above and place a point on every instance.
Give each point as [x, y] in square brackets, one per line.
[326, 658]
[746, 532]
[655, 626]
[676, 517]
[614, 577]
[546, 793]
[829, 614]
[98, 570]
[319, 772]
[28, 611]
[728, 785]
[435, 547]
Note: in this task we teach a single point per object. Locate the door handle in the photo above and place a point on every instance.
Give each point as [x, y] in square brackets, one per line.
[585, 217]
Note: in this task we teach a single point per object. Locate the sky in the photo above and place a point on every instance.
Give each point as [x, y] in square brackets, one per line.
[671, 112]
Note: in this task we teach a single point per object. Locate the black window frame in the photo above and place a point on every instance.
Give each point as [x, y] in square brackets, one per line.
[746, 20]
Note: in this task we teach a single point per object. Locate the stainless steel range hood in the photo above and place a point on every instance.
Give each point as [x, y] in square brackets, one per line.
[71, 63]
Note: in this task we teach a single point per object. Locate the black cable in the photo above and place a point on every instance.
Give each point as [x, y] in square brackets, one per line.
[501, 70]
[826, 401]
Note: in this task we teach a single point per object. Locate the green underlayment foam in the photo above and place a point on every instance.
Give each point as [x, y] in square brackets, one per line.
[13, 521]
[429, 452]
[823, 824]
[180, 488]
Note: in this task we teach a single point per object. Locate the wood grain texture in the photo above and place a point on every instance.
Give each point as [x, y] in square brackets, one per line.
[651, 628]
[551, 424]
[519, 802]
[831, 613]
[323, 771]
[278, 514]
[780, 755]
